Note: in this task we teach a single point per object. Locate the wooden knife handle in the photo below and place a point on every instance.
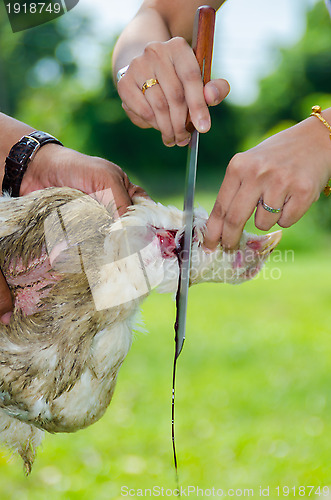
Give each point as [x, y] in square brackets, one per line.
[202, 45]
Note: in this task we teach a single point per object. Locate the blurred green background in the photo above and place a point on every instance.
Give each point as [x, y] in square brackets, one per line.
[253, 386]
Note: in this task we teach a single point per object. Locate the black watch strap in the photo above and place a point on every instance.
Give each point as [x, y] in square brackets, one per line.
[19, 157]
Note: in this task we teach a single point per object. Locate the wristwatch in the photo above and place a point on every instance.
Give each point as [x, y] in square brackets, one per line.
[20, 156]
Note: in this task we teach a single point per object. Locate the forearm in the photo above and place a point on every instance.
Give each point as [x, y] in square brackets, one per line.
[11, 132]
[156, 21]
[148, 25]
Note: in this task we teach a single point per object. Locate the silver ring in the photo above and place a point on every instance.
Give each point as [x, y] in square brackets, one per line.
[270, 209]
[121, 72]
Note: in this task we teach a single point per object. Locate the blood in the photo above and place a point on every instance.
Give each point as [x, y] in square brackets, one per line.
[167, 243]
[238, 261]
[179, 254]
[254, 245]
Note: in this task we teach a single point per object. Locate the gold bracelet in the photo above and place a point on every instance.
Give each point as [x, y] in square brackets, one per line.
[317, 111]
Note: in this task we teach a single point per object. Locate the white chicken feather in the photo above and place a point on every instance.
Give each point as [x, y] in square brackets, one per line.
[78, 278]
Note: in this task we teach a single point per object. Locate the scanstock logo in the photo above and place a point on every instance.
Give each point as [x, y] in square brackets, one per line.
[26, 14]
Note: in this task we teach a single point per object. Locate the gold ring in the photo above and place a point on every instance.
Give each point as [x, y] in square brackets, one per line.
[149, 83]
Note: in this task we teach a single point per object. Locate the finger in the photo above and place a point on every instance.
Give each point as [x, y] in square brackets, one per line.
[125, 192]
[6, 302]
[240, 210]
[168, 69]
[214, 226]
[175, 108]
[136, 119]
[158, 102]
[168, 99]
[294, 208]
[129, 90]
[215, 91]
[301, 196]
[137, 191]
[117, 199]
[133, 191]
[264, 217]
[190, 76]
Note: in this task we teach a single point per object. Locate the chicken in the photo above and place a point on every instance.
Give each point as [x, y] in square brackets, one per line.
[78, 277]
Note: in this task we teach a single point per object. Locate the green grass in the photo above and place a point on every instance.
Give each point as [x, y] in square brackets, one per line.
[253, 396]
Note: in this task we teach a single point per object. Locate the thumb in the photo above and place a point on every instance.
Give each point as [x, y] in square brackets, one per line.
[6, 301]
[133, 191]
[215, 91]
[120, 196]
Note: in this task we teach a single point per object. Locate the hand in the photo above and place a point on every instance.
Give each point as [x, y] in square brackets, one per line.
[55, 165]
[288, 171]
[180, 89]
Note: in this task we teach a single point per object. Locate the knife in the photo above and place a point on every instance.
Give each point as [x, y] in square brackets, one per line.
[202, 44]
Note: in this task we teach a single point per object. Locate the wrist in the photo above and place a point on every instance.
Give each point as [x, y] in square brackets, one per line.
[20, 156]
[325, 119]
[13, 130]
[44, 169]
[318, 144]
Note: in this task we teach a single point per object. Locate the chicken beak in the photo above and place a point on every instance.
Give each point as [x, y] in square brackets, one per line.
[269, 242]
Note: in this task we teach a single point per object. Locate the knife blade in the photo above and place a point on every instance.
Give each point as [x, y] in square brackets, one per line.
[202, 44]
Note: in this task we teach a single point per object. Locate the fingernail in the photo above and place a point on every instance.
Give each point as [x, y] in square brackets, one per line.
[5, 318]
[207, 250]
[169, 144]
[184, 142]
[203, 126]
[215, 95]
